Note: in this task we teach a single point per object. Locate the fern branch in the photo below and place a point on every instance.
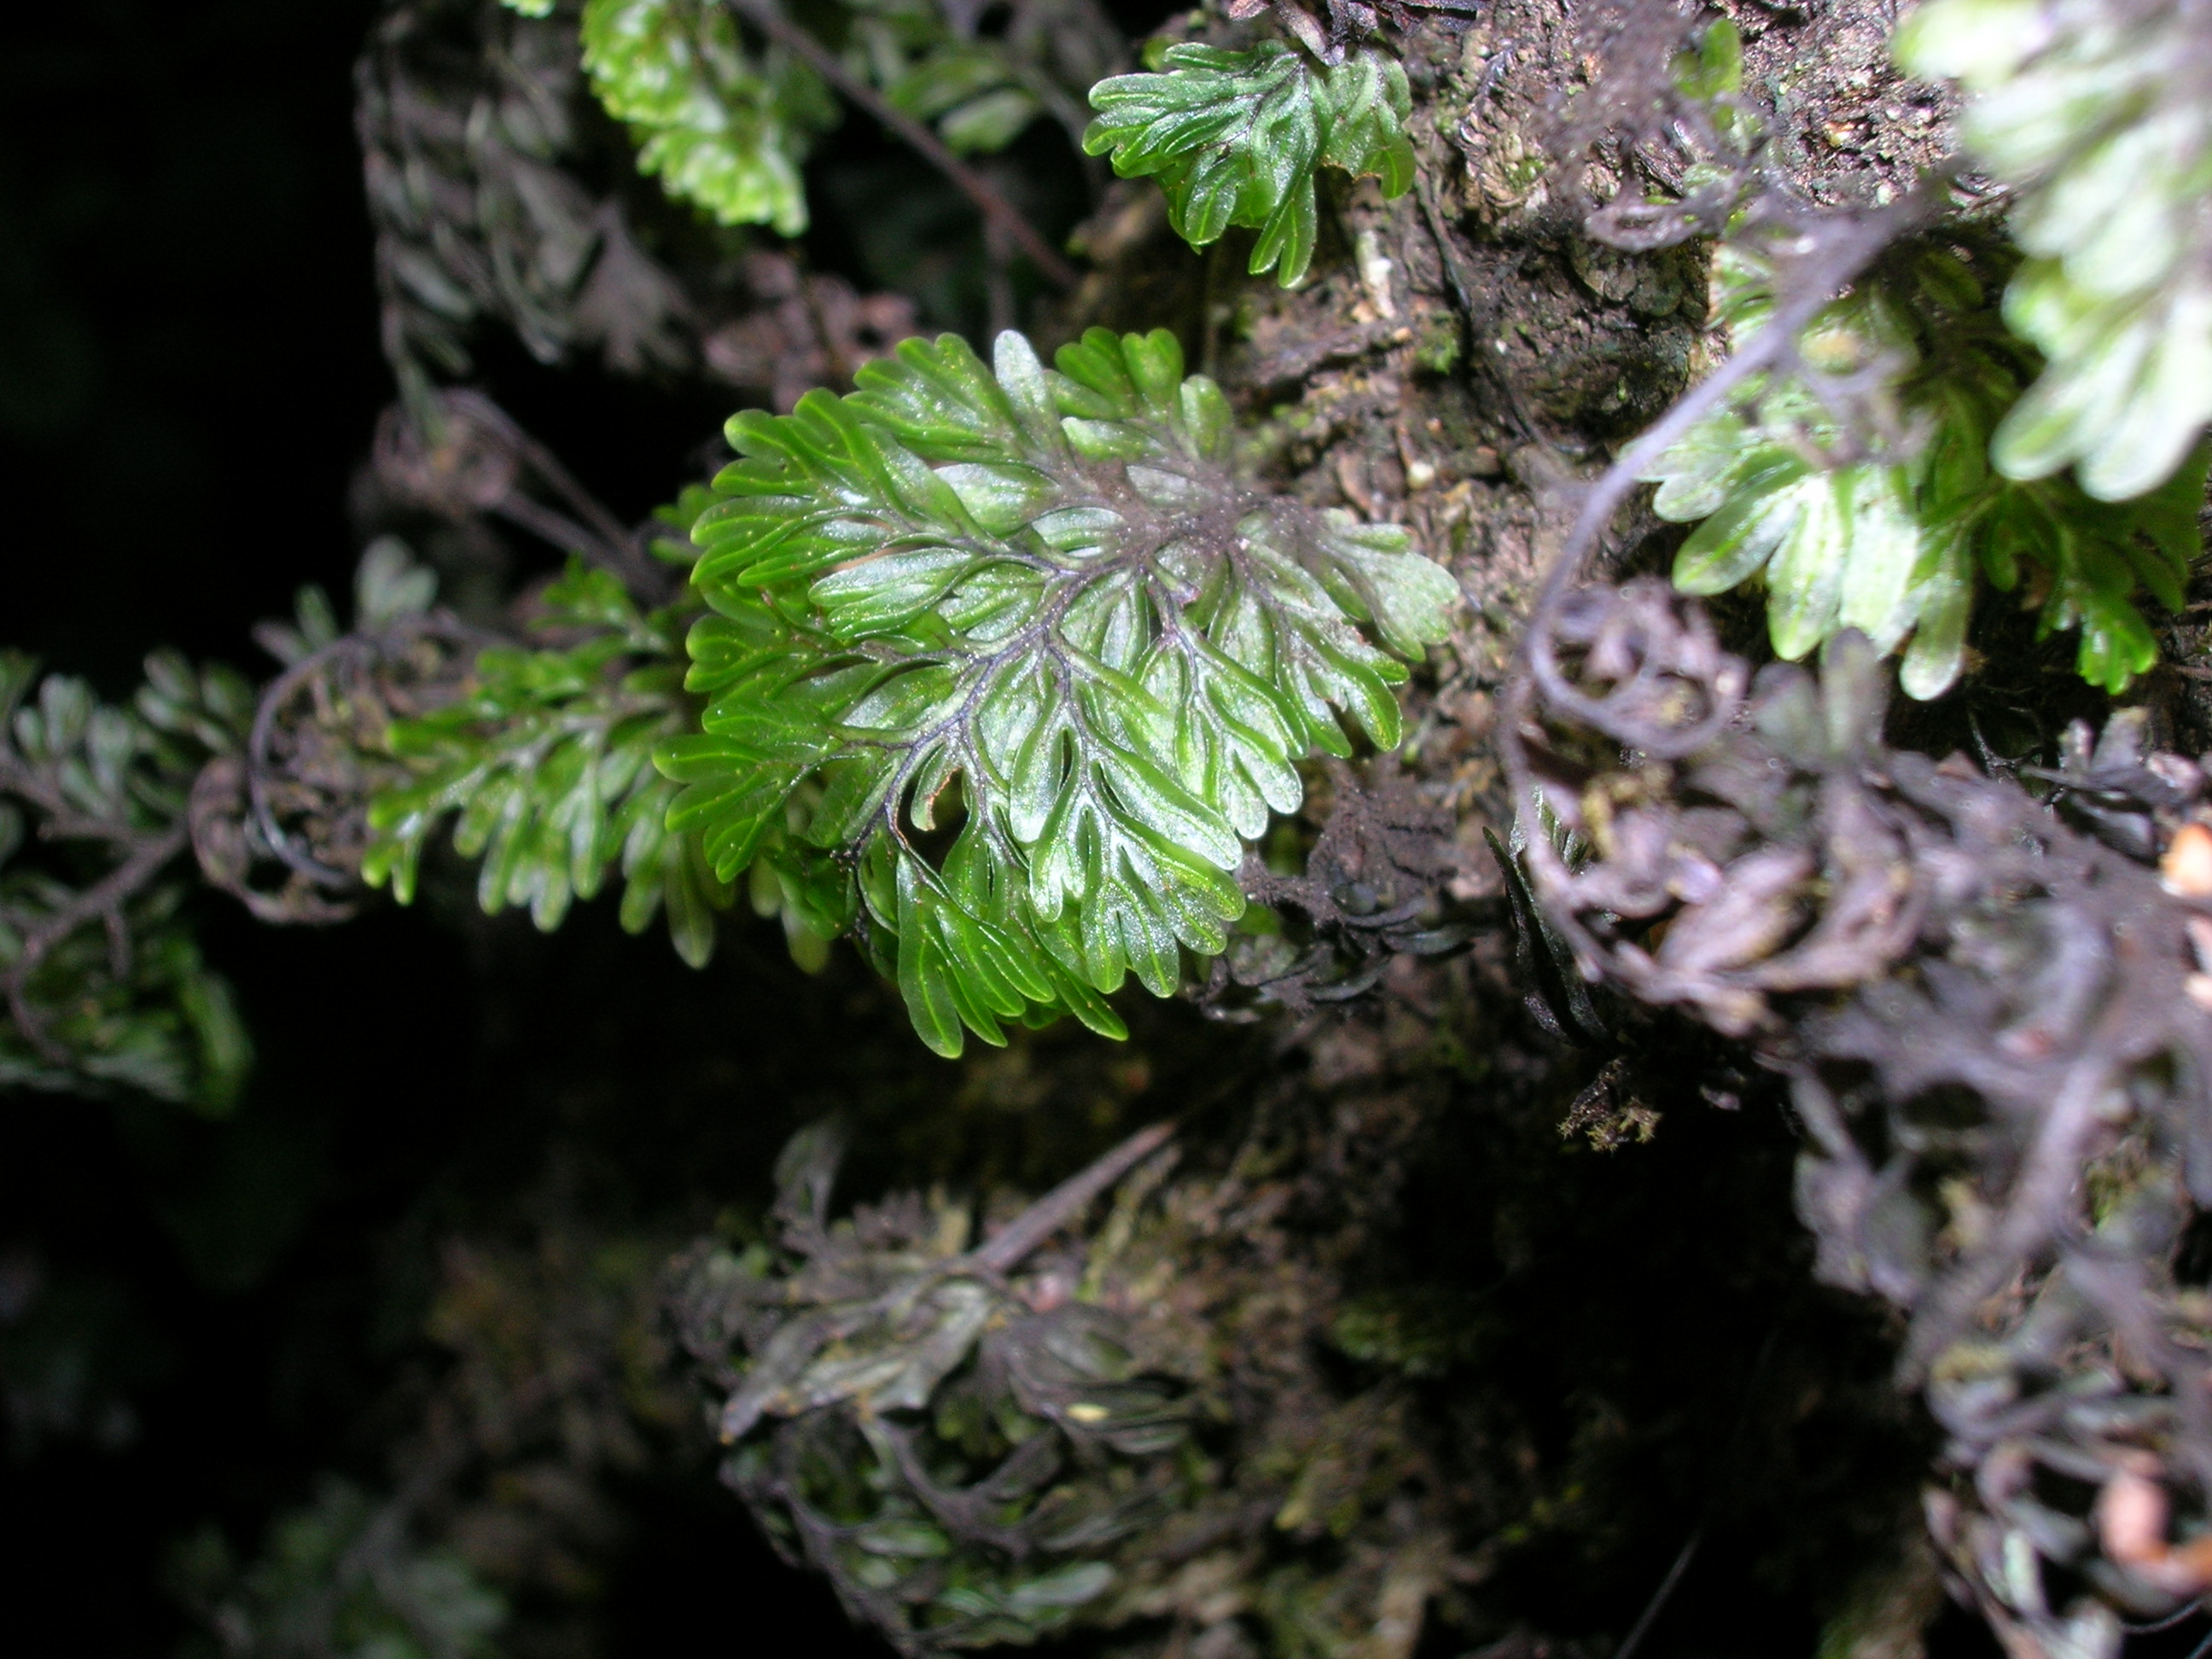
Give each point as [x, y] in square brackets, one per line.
[102, 901]
[764, 15]
[1005, 1249]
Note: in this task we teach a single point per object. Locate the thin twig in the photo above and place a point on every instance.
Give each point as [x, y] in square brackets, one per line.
[601, 538]
[2181, 1615]
[18, 777]
[61, 821]
[764, 15]
[103, 900]
[77, 826]
[1005, 1249]
[1634, 1639]
[555, 529]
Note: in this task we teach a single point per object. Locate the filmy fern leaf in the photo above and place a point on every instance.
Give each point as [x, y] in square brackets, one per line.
[1890, 545]
[545, 765]
[1006, 664]
[1234, 139]
[2094, 112]
[724, 125]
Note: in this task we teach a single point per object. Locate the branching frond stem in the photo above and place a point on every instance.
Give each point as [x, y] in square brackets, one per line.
[101, 901]
[764, 15]
[1005, 1251]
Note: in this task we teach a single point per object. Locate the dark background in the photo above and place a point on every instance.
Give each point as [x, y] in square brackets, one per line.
[188, 379]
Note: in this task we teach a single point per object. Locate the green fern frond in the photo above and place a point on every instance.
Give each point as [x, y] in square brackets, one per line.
[2096, 115]
[725, 126]
[1890, 545]
[545, 765]
[1048, 663]
[1234, 139]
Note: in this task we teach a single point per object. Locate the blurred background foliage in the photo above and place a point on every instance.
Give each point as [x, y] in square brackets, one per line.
[195, 1314]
